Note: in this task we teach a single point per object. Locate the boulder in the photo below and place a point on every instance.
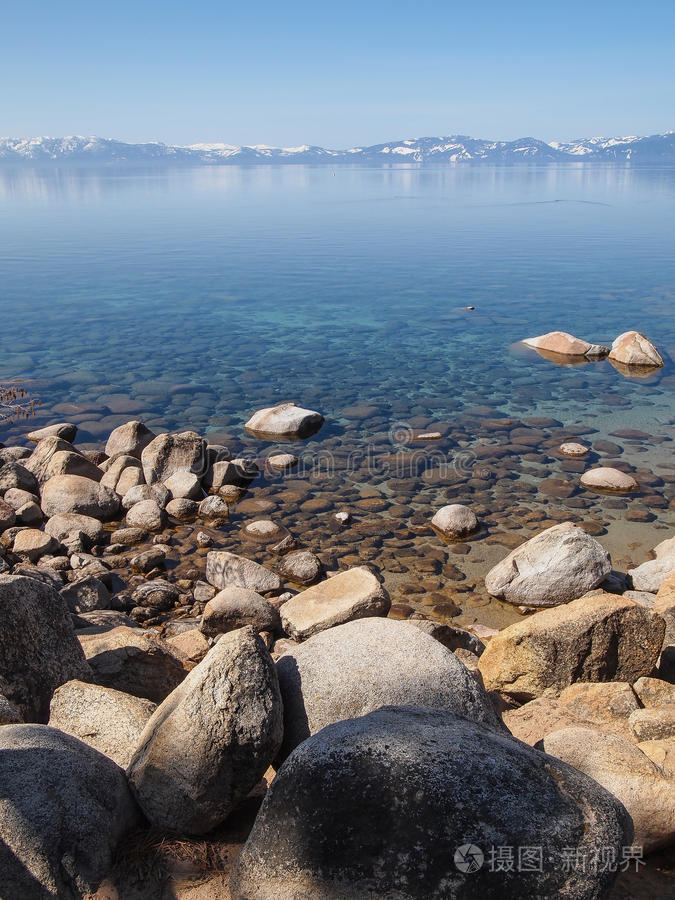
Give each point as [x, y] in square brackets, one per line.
[134, 661]
[352, 669]
[158, 594]
[286, 420]
[391, 804]
[109, 721]
[63, 810]
[31, 544]
[556, 566]
[281, 461]
[182, 509]
[565, 344]
[29, 514]
[7, 516]
[662, 752]
[455, 521]
[61, 526]
[75, 494]
[572, 448]
[606, 706]
[664, 605]
[234, 607]
[601, 637]
[86, 594]
[212, 739]
[225, 569]
[140, 492]
[300, 567]
[129, 439]
[605, 478]
[214, 509]
[167, 453]
[64, 430]
[651, 574]
[15, 475]
[633, 349]
[627, 773]
[654, 692]
[354, 594]
[653, 724]
[69, 462]
[191, 645]
[146, 515]
[114, 471]
[231, 473]
[38, 647]
[184, 485]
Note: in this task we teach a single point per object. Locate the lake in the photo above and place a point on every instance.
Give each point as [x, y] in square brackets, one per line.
[191, 298]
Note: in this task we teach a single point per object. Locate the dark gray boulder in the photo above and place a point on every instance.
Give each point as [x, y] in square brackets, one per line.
[38, 647]
[63, 809]
[380, 807]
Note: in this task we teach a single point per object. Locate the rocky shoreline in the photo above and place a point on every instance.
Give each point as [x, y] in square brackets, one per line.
[157, 669]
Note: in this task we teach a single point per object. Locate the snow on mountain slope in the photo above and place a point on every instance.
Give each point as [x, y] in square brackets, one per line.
[659, 148]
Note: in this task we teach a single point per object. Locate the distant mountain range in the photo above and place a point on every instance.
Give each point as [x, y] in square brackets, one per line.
[656, 149]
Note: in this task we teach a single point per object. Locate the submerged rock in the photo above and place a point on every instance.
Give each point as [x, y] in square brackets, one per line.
[605, 478]
[212, 739]
[556, 566]
[390, 804]
[350, 670]
[455, 521]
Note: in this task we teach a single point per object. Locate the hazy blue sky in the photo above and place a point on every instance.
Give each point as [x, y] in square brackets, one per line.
[336, 74]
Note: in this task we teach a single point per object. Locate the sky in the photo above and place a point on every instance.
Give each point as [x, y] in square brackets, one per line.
[335, 74]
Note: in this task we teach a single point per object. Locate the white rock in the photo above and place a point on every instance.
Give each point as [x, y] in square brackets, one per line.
[184, 484]
[572, 448]
[282, 461]
[285, 420]
[565, 344]
[64, 430]
[633, 349]
[605, 478]
[147, 515]
[651, 574]
[224, 569]
[455, 520]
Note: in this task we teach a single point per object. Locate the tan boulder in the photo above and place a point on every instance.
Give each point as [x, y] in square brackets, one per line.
[565, 344]
[31, 544]
[633, 349]
[627, 773]
[654, 692]
[109, 721]
[601, 637]
[286, 420]
[654, 723]
[75, 494]
[192, 645]
[354, 594]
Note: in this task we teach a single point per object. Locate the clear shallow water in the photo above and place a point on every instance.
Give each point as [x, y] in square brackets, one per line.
[191, 298]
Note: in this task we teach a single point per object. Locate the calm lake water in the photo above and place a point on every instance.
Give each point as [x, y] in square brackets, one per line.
[191, 298]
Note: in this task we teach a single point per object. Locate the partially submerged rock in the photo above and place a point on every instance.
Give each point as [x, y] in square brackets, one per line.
[600, 637]
[225, 569]
[606, 478]
[387, 804]
[350, 670]
[212, 739]
[651, 575]
[455, 521]
[556, 566]
[286, 420]
[633, 349]
[566, 344]
[354, 594]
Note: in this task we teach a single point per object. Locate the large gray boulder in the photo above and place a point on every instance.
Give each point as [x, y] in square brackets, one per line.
[38, 647]
[225, 569]
[556, 566]
[385, 806]
[167, 453]
[212, 739]
[109, 721]
[284, 421]
[75, 494]
[63, 809]
[350, 670]
[354, 594]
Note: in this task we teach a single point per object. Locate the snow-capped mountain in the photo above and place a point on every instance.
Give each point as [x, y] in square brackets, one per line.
[658, 148]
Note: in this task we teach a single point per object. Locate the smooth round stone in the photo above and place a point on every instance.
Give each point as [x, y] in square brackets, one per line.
[573, 449]
[606, 478]
[283, 461]
[455, 520]
[263, 528]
